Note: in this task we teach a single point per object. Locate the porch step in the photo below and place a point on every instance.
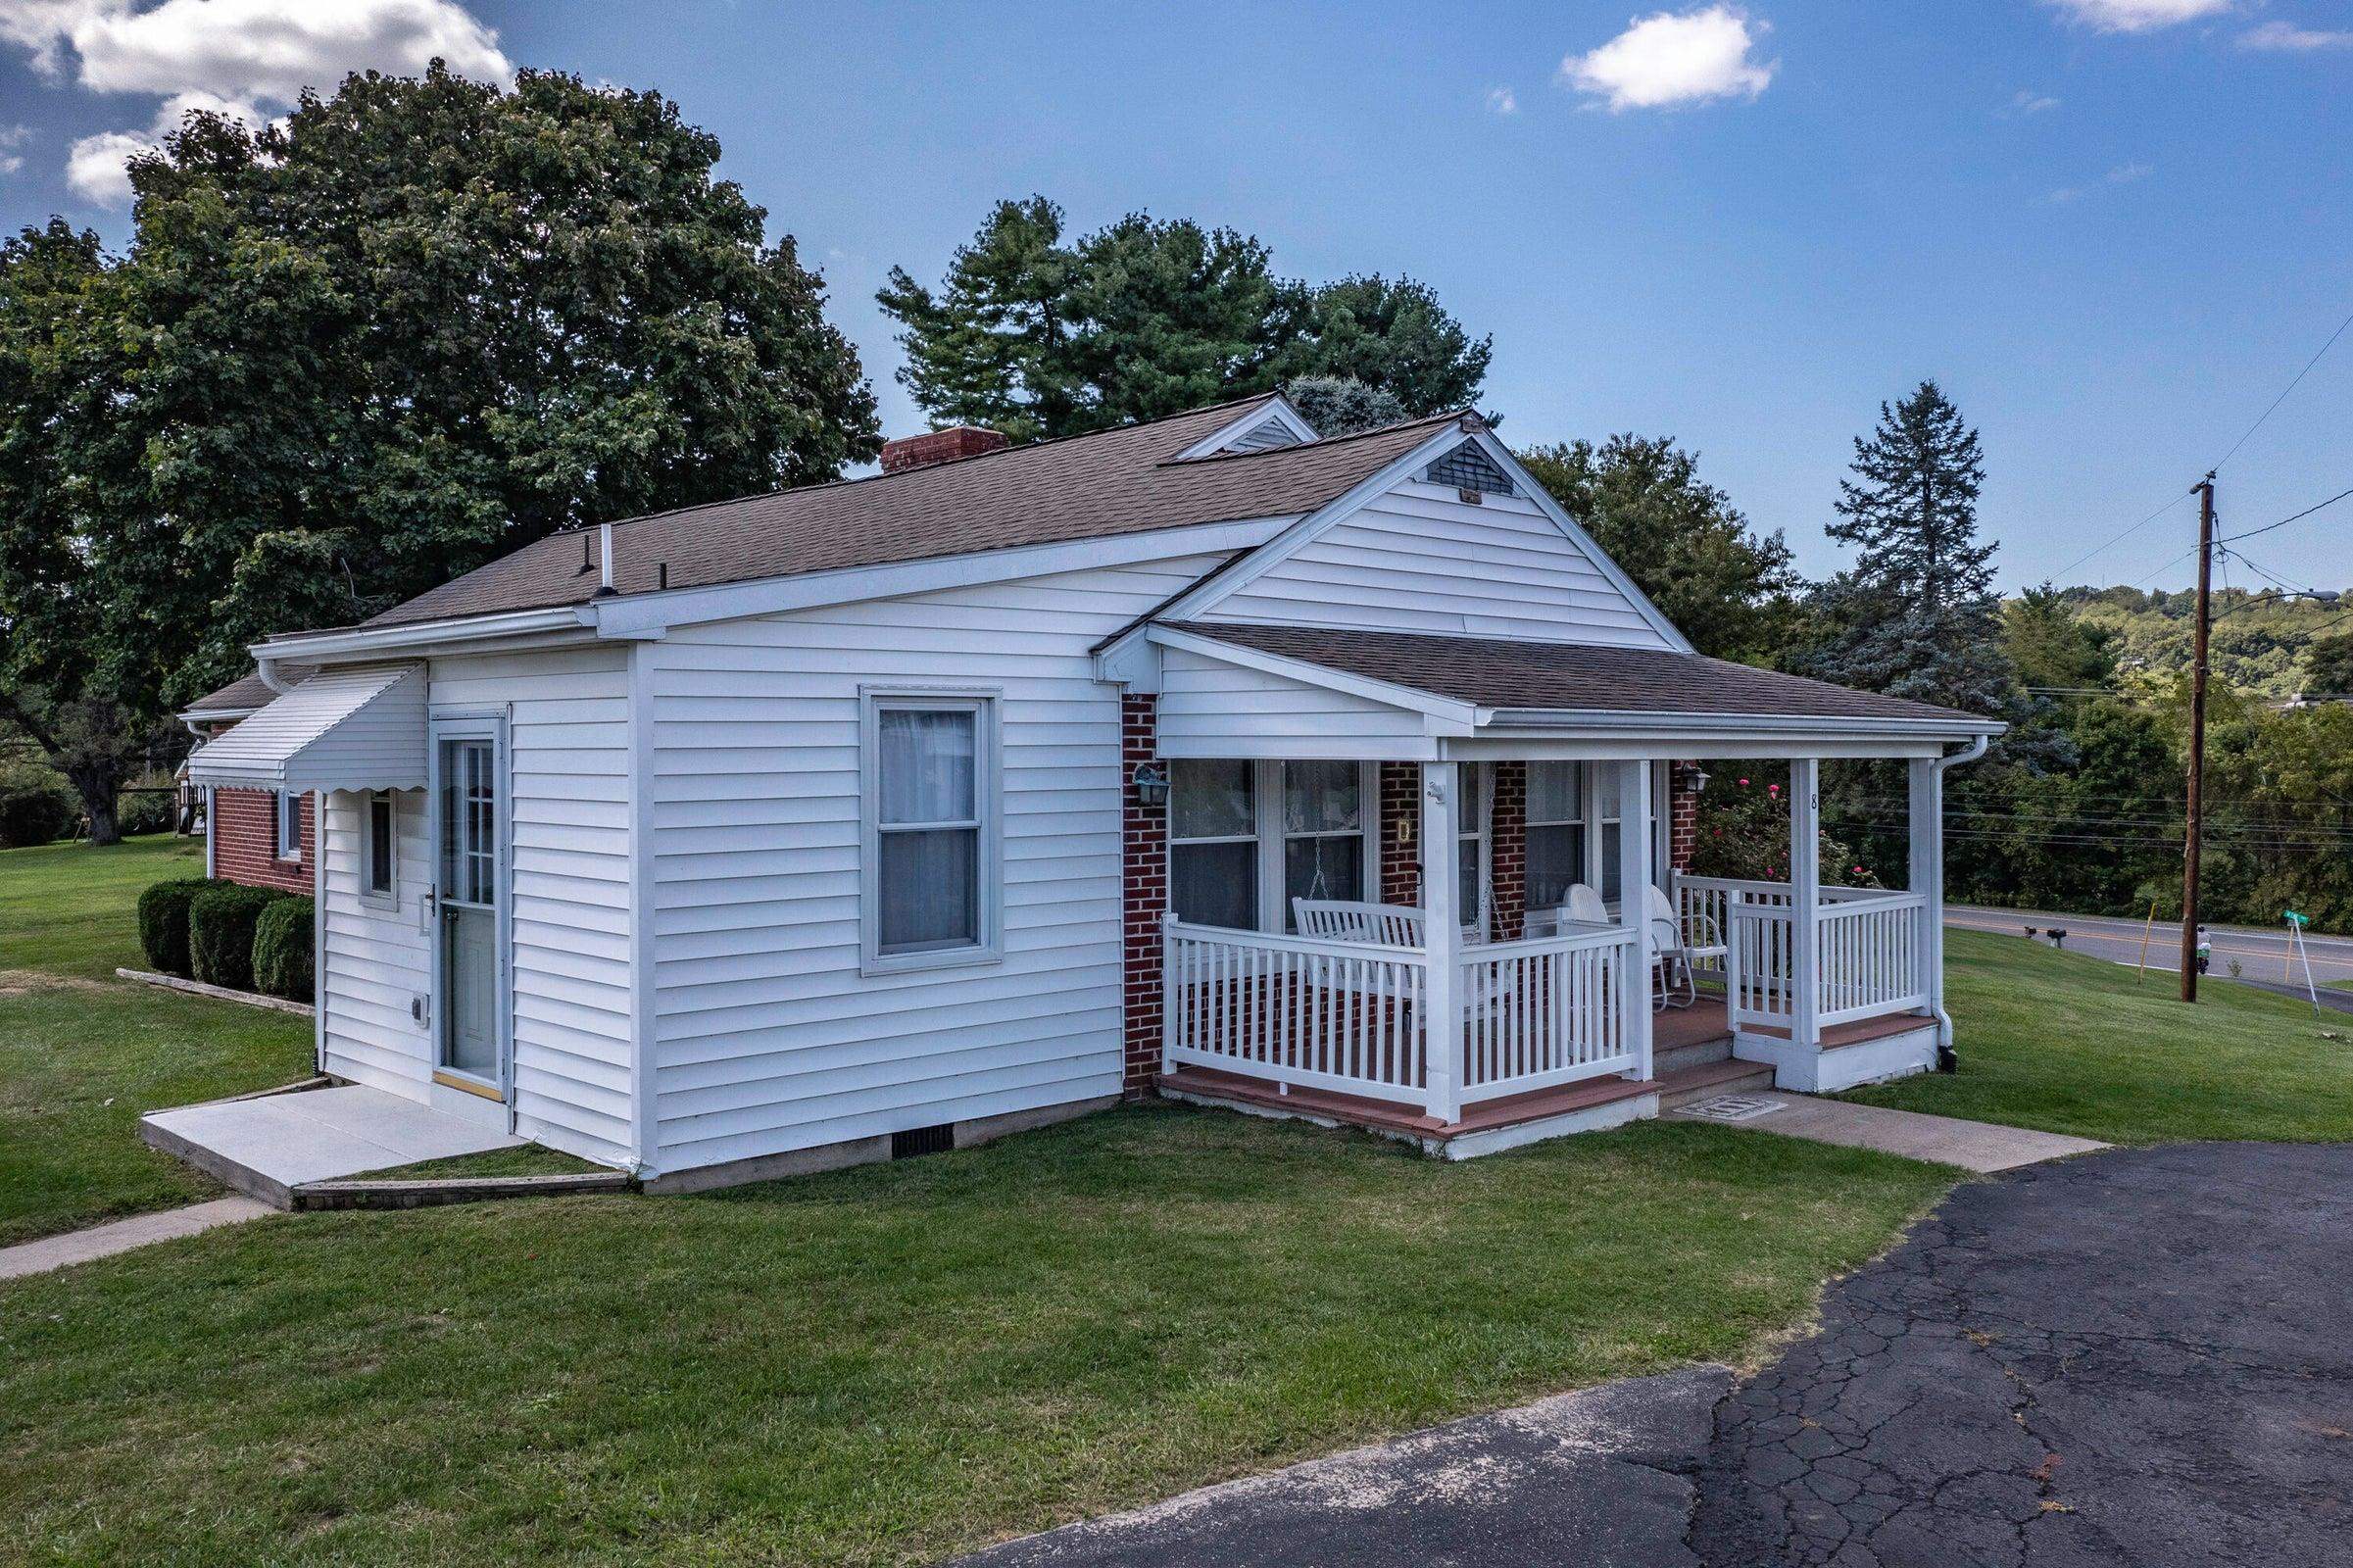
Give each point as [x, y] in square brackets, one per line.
[1667, 1060]
[1708, 1079]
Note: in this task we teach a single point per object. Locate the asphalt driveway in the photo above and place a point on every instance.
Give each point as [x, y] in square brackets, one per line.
[2142, 1357]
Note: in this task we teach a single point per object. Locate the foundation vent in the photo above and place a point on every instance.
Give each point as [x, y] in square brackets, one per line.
[923, 1140]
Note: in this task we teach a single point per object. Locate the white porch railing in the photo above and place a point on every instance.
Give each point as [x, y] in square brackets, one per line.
[1547, 1011]
[1353, 1016]
[1868, 950]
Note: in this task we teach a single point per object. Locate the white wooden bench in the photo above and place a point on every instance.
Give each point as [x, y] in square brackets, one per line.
[1392, 925]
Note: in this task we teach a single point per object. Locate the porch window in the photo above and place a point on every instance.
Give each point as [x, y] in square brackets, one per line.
[1612, 851]
[931, 825]
[1214, 843]
[287, 809]
[380, 847]
[1323, 833]
[1474, 796]
[1556, 832]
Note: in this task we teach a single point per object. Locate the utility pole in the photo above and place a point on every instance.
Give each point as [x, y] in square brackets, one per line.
[2197, 742]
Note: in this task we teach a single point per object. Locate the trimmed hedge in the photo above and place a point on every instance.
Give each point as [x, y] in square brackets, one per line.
[163, 924]
[221, 924]
[281, 948]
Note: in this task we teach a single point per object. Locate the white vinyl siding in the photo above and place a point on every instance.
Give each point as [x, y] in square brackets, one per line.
[1419, 559]
[567, 738]
[771, 1037]
[1209, 708]
[375, 965]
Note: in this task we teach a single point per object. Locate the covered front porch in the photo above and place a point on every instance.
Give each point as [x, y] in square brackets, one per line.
[1517, 955]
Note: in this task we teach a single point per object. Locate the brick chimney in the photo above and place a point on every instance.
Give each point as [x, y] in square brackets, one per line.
[939, 446]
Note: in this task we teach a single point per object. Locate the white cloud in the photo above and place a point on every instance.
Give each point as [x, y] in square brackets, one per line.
[1503, 101]
[13, 137]
[1669, 59]
[237, 57]
[2028, 102]
[2289, 38]
[2126, 173]
[2138, 16]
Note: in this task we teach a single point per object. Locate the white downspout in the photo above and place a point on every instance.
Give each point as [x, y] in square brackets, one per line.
[1945, 1059]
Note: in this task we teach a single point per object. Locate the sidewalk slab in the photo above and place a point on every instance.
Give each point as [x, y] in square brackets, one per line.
[267, 1147]
[1974, 1146]
[121, 1236]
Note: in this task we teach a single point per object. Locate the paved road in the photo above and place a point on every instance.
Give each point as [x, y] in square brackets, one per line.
[2261, 953]
[2139, 1358]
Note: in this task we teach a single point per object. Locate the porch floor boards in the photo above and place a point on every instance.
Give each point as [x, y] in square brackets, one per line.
[1390, 1116]
[1859, 1031]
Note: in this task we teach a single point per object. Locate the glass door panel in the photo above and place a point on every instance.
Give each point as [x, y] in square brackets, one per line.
[468, 903]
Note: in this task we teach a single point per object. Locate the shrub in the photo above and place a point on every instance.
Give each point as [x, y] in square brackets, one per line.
[163, 924]
[282, 949]
[220, 922]
[36, 807]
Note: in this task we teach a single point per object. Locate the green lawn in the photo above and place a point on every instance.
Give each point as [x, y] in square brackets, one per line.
[885, 1364]
[2071, 1044]
[82, 1054]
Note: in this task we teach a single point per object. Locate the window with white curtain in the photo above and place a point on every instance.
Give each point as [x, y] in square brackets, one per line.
[1556, 832]
[1213, 842]
[1474, 799]
[1246, 838]
[1605, 786]
[929, 871]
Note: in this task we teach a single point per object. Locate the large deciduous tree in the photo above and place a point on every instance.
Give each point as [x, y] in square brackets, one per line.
[418, 323]
[1730, 589]
[1040, 337]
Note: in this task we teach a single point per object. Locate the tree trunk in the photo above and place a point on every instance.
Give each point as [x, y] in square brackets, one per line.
[96, 787]
[103, 827]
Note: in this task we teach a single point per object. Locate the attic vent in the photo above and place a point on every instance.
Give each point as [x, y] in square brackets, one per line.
[923, 1140]
[1264, 437]
[1466, 468]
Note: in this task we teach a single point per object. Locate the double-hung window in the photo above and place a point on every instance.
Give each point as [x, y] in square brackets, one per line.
[1556, 832]
[929, 872]
[1246, 838]
[287, 807]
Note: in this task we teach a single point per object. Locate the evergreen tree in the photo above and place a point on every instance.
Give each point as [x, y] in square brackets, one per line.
[1729, 589]
[1040, 337]
[1342, 405]
[1917, 615]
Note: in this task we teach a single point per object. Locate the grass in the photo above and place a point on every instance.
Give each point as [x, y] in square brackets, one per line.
[2069, 1044]
[888, 1364]
[529, 1159]
[82, 1054]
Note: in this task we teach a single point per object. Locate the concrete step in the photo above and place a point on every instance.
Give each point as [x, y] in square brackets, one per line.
[1665, 1059]
[1707, 1080]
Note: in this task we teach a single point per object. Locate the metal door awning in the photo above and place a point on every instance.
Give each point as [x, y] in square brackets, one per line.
[341, 729]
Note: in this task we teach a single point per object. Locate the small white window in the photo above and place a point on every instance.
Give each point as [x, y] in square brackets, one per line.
[1214, 843]
[929, 873]
[288, 807]
[379, 847]
[1323, 833]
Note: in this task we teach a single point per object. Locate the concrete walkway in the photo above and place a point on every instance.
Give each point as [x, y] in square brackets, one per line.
[121, 1236]
[267, 1147]
[1975, 1146]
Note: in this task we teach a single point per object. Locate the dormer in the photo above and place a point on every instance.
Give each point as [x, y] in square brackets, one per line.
[1262, 427]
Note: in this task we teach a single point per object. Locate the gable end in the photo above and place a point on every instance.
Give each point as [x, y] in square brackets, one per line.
[1468, 469]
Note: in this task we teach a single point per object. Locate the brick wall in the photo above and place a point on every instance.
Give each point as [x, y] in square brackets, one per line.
[1144, 875]
[244, 829]
[1507, 855]
[1682, 815]
[1400, 833]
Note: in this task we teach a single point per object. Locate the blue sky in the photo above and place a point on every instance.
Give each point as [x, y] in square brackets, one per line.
[2113, 228]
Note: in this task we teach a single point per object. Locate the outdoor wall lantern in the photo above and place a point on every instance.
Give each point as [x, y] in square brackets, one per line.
[1152, 786]
[1697, 778]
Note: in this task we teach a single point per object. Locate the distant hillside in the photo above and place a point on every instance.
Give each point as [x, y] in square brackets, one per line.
[2258, 649]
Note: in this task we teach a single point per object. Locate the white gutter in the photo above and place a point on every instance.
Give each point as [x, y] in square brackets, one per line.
[1945, 1058]
[1749, 724]
[305, 647]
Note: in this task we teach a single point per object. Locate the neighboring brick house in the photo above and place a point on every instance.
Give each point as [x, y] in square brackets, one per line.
[257, 837]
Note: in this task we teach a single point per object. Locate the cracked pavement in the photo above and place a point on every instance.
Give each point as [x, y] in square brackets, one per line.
[2142, 1357]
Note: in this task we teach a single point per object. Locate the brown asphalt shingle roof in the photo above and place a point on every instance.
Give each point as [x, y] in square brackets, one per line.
[1497, 672]
[1083, 487]
[248, 692]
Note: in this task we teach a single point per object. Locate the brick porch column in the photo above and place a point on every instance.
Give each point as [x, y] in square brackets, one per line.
[1400, 820]
[1144, 885]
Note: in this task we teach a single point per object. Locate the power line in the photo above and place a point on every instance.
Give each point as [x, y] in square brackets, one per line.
[2285, 522]
[2121, 537]
[2282, 397]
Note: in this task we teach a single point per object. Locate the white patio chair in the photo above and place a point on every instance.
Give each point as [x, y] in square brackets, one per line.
[1678, 953]
[1584, 908]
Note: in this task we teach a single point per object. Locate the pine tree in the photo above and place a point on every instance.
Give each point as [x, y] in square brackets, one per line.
[1917, 615]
